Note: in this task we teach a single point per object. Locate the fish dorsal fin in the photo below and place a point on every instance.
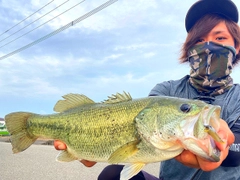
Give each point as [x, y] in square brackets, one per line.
[124, 152]
[71, 101]
[118, 98]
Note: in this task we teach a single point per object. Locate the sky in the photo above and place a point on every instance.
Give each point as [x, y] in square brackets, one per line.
[129, 46]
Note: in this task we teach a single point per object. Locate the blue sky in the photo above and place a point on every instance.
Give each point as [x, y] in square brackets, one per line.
[130, 46]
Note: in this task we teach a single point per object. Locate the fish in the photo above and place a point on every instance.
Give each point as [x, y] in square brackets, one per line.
[121, 129]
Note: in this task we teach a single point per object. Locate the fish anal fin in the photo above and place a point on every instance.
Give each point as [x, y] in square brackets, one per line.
[116, 98]
[65, 156]
[131, 170]
[124, 152]
[71, 101]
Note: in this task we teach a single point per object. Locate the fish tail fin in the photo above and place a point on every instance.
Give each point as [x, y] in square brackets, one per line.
[16, 124]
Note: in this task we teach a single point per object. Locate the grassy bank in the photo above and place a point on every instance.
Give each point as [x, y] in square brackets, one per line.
[3, 133]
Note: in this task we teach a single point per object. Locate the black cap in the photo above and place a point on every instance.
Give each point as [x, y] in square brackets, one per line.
[224, 8]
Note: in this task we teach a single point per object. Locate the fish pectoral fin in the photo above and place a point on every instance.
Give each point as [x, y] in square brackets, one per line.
[65, 156]
[131, 170]
[71, 101]
[125, 151]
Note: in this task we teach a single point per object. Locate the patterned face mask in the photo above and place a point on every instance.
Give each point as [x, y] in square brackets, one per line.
[211, 65]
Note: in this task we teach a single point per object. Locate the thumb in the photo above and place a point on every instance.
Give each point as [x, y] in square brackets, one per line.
[59, 145]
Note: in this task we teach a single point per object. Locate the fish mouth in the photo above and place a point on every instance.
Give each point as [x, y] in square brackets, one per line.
[201, 133]
[215, 152]
[210, 118]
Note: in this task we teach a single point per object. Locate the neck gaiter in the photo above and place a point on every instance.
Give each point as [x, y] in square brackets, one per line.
[211, 65]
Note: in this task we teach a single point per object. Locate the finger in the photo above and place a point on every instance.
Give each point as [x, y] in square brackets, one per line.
[88, 163]
[226, 135]
[189, 159]
[205, 165]
[59, 145]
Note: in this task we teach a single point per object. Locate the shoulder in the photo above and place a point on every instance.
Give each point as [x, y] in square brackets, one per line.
[237, 86]
[234, 92]
[166, 87]
[231, 105]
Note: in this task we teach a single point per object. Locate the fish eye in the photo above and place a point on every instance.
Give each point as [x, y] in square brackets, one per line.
[185, 108]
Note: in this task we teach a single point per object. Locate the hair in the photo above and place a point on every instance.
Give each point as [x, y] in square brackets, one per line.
[203, 27]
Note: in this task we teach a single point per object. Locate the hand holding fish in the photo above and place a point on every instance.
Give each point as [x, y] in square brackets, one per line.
[189, 159]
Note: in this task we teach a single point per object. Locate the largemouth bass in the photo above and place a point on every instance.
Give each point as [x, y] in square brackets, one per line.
[122, 130]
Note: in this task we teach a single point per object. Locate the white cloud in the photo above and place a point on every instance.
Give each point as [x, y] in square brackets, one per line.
[110, 58]
[149, 55]
[135, 46]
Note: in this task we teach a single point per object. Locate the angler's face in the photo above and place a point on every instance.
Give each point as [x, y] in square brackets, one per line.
[219, 34]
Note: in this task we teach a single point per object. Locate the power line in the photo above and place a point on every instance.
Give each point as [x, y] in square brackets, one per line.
[33, 22]
[94, 11]
[26, 18]
[42, 24]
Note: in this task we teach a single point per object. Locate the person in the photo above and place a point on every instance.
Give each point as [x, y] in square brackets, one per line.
[212, 50]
